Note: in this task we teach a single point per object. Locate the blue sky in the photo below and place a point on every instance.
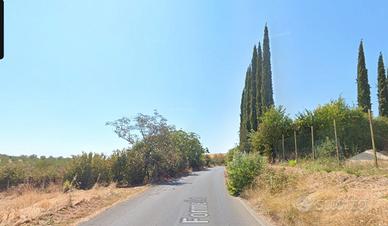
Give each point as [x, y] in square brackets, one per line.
[70, 66]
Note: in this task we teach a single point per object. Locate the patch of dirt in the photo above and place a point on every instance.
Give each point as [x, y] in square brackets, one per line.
[33, 207]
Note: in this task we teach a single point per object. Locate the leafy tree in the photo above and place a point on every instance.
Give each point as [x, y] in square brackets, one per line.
[363, 88]
[266, 85]
[274, 123]
[382, 88]
[163, 150]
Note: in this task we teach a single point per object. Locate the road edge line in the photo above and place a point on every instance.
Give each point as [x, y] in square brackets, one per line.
[255, 215]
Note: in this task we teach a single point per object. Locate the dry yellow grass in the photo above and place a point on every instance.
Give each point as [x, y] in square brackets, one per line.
[320, 198]
[33, 207]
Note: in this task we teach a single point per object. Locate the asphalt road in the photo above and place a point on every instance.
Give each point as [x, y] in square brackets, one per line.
[198, 199]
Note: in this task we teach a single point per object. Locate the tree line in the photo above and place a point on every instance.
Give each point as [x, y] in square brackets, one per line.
[157, 151]
[257, 94]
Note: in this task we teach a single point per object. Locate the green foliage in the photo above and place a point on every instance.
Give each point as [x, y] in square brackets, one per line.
[292, 162]
[158, 150]
[274, 123]
[326, 149]
[89, 169]
[230, 154]
[380, 126]
[257, 94]
[352, 127]
[382, 87]
[266, 85]
[363, 88]
[242, 171]
[31, 170]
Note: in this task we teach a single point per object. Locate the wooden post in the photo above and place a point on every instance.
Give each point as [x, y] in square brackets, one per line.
[284, 157]
[296, 147]
[312, 142]
[336, 141]
[372, 137]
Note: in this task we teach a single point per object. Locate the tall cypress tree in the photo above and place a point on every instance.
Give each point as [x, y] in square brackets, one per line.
[363, 88]
[245, 123]
[259, 72]
[248, 104]
[266, 85]
[382, 92]
[253, 101]
[243, 119]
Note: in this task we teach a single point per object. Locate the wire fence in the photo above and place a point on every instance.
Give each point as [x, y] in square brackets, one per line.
[339, 141]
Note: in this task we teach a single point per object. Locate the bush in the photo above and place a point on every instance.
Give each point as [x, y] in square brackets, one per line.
[89, 169]
[292, 163]
[273, 124]
[326, 149]
[242, 171]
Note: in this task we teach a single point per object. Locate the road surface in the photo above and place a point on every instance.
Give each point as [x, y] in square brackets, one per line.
[198, 199]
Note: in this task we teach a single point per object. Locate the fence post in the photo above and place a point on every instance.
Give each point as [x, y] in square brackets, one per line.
[284, 157]
[372, 137]
[312, 142]
[296, 147]
[336, 141]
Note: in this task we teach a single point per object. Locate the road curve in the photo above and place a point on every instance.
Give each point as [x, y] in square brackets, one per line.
[198, 199]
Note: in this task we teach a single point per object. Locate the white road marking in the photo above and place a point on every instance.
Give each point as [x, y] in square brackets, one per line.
[198, 211]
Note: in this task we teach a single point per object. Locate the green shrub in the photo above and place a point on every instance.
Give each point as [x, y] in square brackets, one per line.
[89, 169]
[292, 163]
[242, 171]
[326, 149]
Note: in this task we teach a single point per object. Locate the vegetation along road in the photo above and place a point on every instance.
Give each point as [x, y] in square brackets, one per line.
[198, 199]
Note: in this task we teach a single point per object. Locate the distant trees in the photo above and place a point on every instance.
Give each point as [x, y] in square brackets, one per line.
[257, 93]
[363, 88]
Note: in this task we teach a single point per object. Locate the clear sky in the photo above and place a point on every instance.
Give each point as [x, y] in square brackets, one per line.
[72, 65]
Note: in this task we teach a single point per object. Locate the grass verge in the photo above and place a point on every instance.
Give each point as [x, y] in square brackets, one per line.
[301, 196]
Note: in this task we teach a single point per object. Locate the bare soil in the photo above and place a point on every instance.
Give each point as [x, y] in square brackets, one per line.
[24, 206]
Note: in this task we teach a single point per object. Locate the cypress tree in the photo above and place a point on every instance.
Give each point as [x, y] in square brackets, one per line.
[248, 109]
[253, 101]
[259, 72]
[382, 92]
[266, 85]
[245, 124]
[363, 88]
[243, 129]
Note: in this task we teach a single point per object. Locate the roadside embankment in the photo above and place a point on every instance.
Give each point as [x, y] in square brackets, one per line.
[30, 206]
[299, 196]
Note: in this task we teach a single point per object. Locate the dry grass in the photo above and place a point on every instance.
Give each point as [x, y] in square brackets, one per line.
[27, 206]
[320, 198]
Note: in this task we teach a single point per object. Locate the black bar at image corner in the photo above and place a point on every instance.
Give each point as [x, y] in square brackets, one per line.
[1, 29]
